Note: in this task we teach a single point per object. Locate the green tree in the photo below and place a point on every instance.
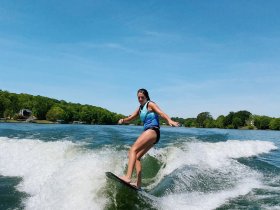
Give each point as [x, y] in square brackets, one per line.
[11, 103]
[228, 120]
[202, 117]
[5, 103]
[105, 118]
[220, 122]
[86, 114]
[14, 104]
[25, 101]
[243, 116]
[8, 113]
[236, 122]
[262, 122]
[2, 109]
[190, 122]
[209, 123]
[275, 124]
[41, 106]
[56, 113]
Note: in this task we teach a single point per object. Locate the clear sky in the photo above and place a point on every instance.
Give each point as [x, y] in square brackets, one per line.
[192, 55]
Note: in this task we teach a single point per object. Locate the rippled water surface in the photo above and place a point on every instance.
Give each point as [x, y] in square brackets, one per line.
[63, 167]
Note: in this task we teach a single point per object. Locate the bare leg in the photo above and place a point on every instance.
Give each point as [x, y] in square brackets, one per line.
[143, 144]
[138, 173]
[139, 167]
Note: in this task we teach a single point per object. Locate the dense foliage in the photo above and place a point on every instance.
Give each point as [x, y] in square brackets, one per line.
[44, 108]
[234, 120]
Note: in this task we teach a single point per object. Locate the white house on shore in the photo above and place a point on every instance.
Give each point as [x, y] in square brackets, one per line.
[25, 113]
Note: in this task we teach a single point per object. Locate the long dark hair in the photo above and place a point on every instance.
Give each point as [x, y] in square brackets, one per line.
[145, 92]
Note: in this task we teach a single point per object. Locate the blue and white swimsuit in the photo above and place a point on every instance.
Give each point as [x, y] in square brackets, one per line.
[150, 119]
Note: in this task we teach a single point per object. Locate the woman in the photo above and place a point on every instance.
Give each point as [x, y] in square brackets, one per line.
[148, 112]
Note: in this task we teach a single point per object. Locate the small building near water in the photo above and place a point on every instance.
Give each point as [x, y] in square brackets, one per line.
[25, 113]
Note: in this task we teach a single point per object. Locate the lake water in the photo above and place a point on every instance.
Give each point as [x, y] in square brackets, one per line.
[63, 167]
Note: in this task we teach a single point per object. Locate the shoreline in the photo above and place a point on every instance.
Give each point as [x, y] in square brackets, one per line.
[46, 122]
[23, 121]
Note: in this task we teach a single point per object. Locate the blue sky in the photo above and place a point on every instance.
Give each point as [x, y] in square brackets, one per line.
[192, 56]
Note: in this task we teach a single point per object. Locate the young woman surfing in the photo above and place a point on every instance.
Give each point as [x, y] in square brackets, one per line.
[149, 113]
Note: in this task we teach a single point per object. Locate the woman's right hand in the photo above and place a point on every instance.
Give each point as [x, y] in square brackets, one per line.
[120, 121]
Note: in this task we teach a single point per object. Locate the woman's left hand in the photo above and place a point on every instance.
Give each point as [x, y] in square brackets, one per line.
[173, 123]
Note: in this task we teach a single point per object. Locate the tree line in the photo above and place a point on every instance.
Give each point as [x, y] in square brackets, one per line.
[234, 120]
[44, 108]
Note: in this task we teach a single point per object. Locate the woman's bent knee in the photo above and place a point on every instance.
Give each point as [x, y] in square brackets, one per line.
[133, 149]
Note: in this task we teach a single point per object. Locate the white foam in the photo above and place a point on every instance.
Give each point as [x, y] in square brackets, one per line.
[270, 207]
[58, 175]
[63, 175]
[201, 201]
[209, 158]
[213, 155]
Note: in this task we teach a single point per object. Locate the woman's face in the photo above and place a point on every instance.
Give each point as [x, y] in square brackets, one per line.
[141, 98]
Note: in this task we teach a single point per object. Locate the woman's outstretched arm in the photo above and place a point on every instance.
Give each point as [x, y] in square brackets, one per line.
[156, 109]
[131, 117]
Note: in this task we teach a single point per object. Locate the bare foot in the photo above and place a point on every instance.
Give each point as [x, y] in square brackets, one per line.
[134, 184]
[125, 179]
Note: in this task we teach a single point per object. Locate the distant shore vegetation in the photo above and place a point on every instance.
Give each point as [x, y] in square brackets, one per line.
[234, 120]
[28, 108]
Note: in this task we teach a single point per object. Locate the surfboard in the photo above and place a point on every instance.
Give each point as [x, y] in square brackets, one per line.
[116, 178]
